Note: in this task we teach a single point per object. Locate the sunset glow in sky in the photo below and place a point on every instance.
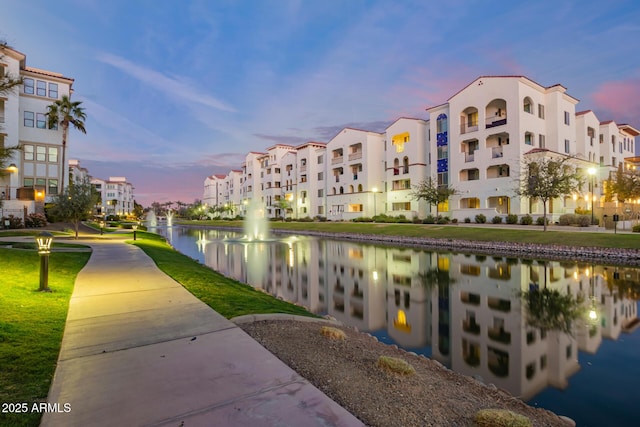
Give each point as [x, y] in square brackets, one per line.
[178, 90]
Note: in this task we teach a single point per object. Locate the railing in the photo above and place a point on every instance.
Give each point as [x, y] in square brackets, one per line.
[466, 127]
[335, 160]
[471, 327]
[356, 155]
[500, 335]
[303, 168]
[469, 157]
[496, 120]
[496, 152]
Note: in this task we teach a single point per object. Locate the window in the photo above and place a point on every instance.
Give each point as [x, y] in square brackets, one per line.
[541, 141]
[28, 119]
[41, 122]
[567, 120]
[41, 182]
[528, 138]
[528, 106]
[541, 111]
[53, 154]
[28, 86]
[320, 176]
[28, 151]
[41, 154]
[567, 146]
[41, 88]
[53, 186]
[320, 159]
[53, 90]
[320, 192]
[28, 182]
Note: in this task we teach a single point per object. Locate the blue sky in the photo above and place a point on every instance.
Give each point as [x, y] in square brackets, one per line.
[178, 90]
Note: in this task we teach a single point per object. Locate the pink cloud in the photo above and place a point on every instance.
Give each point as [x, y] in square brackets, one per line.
[620, 100]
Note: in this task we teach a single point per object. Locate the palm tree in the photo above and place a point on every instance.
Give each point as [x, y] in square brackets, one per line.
[65, 112]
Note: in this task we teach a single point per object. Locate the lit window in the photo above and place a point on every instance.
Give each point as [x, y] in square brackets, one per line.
[41, 154]
[41, 122]
[28, 152]
[53, 155]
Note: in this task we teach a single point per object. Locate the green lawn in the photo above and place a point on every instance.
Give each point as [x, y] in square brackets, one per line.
[226, 296]
[504, 233]
[31, 326]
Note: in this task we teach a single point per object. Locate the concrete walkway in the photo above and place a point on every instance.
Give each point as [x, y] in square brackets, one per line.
[140, 350]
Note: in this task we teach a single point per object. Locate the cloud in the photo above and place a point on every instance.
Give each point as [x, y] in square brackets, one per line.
[620, 99]
[178, 88]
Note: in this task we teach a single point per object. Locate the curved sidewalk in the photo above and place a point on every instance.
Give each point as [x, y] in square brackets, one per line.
[140, 350]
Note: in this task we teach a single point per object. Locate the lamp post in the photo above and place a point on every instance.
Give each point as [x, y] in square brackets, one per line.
[43, 240]
[592, 173]
[101, 227]
[135, 228]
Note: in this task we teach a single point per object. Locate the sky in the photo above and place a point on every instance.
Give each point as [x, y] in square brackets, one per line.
[177, 90]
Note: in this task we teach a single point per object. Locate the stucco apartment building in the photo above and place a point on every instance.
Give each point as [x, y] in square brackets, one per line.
[476, 142]
[35, 171]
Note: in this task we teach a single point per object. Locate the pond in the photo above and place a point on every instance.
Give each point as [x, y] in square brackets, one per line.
[466, 311]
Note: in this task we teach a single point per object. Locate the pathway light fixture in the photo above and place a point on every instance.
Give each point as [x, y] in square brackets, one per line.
[43, 240]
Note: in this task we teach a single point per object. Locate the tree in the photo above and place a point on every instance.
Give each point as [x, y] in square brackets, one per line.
[432, 193]
[75, 203]
[547, 178]
[138, 211]
[65, 112]
[284, 205]
[623, 186]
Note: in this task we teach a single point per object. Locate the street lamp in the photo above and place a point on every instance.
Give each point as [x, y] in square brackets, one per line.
[101, 227]
[592, 173]
[135, 228]
[43, 240]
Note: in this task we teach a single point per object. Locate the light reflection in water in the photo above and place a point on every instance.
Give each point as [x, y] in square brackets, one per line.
[462, 310]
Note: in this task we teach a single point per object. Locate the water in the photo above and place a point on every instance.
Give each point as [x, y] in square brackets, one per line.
[169, 218]
[151, 219]
[256, 225]
[463, 310]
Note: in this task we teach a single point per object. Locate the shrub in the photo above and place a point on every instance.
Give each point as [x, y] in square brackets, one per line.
[35, 220]
[636, 228]
[467, 220]
[333, 333]
[454, 221]
[305, 219]
[363, 219]
[14, 221]
[497, 219]
[480, 219]
[526, 220]
[417, 220]
[540, 221]
[583, 220]
[500, 418]
[320, 218]
[396, 365]
[429, 219]
[512, 219]
[443, 220]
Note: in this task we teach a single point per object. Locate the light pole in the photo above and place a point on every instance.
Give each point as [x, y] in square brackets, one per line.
[101, 227]
[135, 228]
[43, 240]
[592, 173]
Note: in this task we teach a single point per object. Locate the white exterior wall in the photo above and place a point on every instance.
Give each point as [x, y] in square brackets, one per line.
[42, 173]
[350, 191]
[212, 190]
[405, 142]
[314, 157]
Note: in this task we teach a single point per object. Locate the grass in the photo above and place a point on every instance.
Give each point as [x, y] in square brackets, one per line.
[500, 418]
[226, 296]
[31, 326]
[504, 233]
[395, 365]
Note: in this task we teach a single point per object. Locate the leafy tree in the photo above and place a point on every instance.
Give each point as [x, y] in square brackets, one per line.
[432, 193]
[138, 210]
[65, 112]
[284, 205]
[75, 203]
[623, 186]
[547, 178]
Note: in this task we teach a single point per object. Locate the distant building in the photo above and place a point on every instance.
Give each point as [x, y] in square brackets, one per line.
[475, 142]
[116, 196]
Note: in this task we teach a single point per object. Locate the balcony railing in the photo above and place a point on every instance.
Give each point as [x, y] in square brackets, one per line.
[496, 152]
[469, 157]
[468, 127]
[500, 335]
[494, 121]
[335, 160]
[471, 326]
[355, 156]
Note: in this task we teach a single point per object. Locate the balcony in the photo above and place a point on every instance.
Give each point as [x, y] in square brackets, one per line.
[497, 120]
[500, 335]
[470, 325]
[336, 160]
[469, 157]
[496, 152]
[468, 127]
[470, 298]
[355, 156]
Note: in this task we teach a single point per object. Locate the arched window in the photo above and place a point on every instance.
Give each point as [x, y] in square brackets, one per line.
[351, 189]
[341, 190]
[334, 190]
[396, 166]
[405, 165]
[442, 125]
[359, 188]
[527, 105]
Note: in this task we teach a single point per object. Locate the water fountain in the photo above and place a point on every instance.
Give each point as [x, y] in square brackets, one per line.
[151, 219]
[256, 224]
[169, 218]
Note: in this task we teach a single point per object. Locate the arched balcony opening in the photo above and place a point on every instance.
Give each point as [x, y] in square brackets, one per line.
[502, 204]
[350, 188]
[396, 166]
[469, 120]
[469, 148]
[496, 113]
[405, 165]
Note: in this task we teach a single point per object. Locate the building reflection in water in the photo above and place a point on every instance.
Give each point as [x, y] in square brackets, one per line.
[467, 308]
